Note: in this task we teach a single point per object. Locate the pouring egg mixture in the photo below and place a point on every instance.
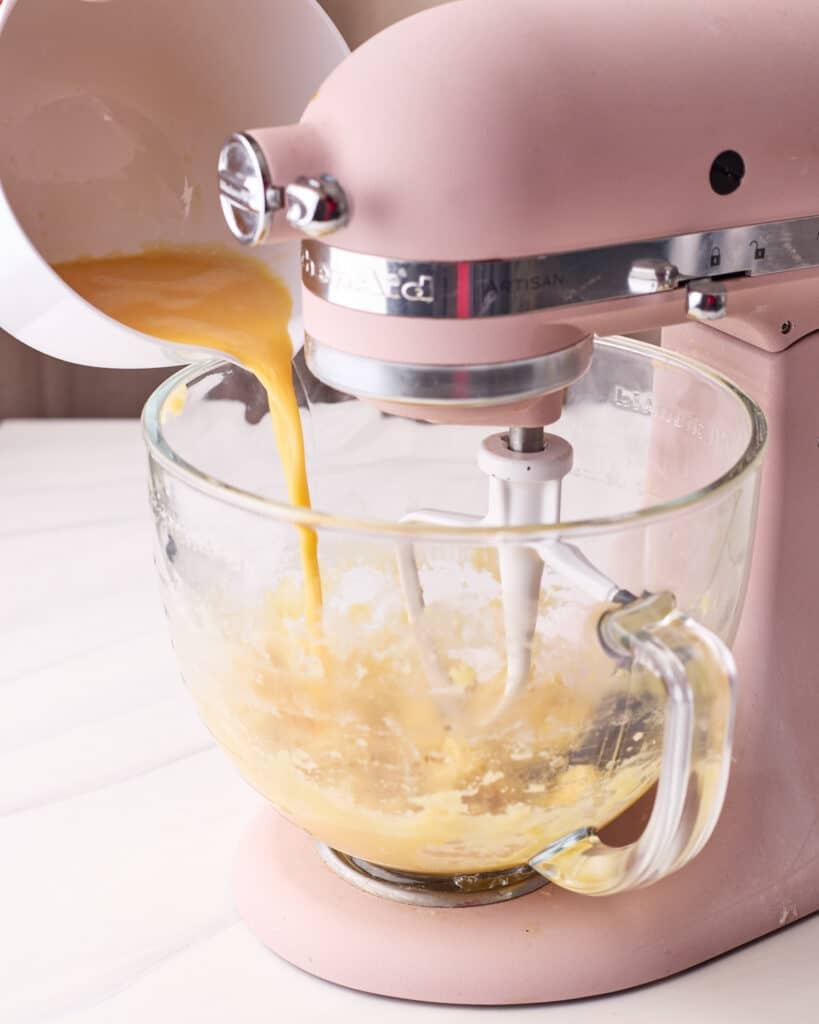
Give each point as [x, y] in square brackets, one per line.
[324, 704]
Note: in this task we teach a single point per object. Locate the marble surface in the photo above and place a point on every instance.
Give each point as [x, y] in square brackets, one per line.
[119, 818]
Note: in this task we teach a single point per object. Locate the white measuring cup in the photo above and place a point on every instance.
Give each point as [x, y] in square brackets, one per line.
[112, 113]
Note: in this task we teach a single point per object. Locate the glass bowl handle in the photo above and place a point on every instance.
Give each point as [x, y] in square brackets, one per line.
[698, 673]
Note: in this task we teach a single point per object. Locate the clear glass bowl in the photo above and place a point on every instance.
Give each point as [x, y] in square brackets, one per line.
[386, 737]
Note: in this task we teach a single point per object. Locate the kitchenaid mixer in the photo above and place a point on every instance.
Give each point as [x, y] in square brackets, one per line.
[435, 304]
[665, 187]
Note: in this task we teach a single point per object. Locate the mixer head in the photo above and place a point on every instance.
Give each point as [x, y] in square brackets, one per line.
[483, 187]
[434, 297]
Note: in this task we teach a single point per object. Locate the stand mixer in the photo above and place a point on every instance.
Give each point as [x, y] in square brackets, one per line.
[481, 191]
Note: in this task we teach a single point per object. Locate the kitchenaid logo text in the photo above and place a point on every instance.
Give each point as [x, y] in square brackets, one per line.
[391, 286]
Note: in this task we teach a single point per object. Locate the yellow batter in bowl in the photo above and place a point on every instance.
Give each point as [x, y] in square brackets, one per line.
[348, 741]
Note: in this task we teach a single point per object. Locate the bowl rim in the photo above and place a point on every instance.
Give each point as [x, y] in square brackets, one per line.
[161, 452]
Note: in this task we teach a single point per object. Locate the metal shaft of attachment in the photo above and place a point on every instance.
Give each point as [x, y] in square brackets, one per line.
[526, 439]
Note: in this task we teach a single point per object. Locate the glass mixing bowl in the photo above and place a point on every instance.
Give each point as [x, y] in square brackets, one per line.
[386, 735]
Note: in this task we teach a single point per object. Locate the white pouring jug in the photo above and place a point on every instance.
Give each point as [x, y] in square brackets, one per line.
[112, 114]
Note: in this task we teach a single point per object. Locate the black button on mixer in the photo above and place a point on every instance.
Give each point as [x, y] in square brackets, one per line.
[727, 172]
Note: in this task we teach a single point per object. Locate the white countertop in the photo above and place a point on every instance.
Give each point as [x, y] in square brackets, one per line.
[119, 818]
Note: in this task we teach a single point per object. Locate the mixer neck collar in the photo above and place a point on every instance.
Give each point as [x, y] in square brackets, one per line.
[492, 288]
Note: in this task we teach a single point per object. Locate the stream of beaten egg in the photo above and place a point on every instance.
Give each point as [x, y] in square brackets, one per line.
[212, 297]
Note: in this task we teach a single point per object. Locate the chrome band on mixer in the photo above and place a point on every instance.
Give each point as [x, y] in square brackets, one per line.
[430, 384]
[485, 288]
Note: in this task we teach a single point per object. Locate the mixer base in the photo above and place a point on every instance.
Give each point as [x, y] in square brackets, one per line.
[544, 947]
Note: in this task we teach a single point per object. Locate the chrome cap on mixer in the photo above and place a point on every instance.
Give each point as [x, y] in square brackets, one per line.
[250, 198]
[247, 195]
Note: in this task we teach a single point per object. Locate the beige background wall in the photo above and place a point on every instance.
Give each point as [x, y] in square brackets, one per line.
[360, 19]
[35, 385]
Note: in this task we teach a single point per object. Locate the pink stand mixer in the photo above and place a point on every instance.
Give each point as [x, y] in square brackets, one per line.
[482, 192]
